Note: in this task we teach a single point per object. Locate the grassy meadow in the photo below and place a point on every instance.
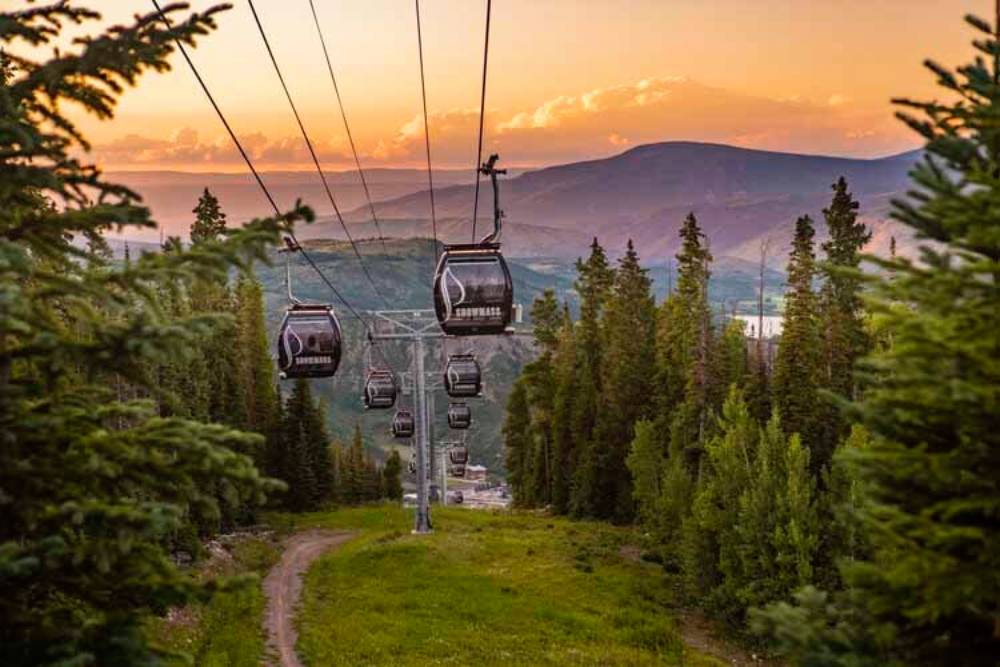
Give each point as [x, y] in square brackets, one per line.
[485, 588]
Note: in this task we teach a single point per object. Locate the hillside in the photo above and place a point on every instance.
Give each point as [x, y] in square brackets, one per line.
[740, 196]
[173, 194]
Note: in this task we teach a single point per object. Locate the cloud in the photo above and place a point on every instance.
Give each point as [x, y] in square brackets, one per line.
[186, 148]
[579, 126]
[564, 128]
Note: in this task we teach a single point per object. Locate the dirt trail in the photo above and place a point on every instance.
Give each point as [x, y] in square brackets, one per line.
[283, 586]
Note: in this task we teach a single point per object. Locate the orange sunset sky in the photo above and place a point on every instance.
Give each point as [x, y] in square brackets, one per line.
[568, 80]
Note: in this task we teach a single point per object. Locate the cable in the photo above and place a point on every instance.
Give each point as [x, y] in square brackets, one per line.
[347, 128]
[312, 153]
[427, 133]
[249, 163]
[482, 110]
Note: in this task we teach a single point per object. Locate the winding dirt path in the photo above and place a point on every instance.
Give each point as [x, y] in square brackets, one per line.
[283, 586]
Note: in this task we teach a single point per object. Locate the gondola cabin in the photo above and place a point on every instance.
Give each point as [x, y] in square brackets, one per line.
[473, 291]
[309, 342]
[402, 424]
[463, 377]
[459, 416]
[458, 455]
[457, 470]
[380, 390]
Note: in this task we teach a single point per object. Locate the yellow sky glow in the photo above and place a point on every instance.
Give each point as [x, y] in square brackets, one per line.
[569, 79]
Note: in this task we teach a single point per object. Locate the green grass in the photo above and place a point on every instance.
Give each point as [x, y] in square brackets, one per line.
[485, 588]
[227, 630]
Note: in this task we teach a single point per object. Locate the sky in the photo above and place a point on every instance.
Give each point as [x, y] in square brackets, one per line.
[568, 80]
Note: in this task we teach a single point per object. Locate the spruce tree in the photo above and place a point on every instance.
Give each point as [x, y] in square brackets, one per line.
[796, 367]
[628, 382]
[210, 221]
[646, 464]
[564, 445]
[711, 553]
[844, 338]
[94, 483]
[306, 478]
[517, 441]
[685, 346]
[931, 592]
[391, 473]
[260, 398]
[595, 278]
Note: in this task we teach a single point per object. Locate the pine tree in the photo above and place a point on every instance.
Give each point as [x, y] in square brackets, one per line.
[517, 441]
[217, 357]
[594, 283]
[685, 346]
[931, 592]
[298, 467]
[210, 221]
[391, 473]
[711, 554]
[627, 382]
[797, 364]
[777, 523]
[646, 464]
[256, 372]
[564, 445]
[95, 484]
[540, 386]
[844, 337]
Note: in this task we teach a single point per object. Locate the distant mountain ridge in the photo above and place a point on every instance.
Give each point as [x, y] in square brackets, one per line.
[740, 196]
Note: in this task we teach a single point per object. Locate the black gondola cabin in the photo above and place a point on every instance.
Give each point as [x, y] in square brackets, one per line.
[380, 390]
[458, 455]
[309, 342]
[462, 376]
[402, 424]
[473, 291]
[459, 416]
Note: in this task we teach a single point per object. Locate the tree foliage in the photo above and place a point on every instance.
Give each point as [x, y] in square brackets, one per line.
[96, 477]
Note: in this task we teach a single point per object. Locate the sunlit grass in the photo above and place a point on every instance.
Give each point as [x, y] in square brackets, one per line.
[483, 589]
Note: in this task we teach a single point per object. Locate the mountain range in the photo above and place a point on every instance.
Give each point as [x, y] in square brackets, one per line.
[741, 197]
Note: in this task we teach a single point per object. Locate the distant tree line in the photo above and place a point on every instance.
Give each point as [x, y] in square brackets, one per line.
[228, 377]
[842, 501]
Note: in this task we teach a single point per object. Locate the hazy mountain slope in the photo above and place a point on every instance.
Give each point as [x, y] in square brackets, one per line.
[172, 194]
[738, 194]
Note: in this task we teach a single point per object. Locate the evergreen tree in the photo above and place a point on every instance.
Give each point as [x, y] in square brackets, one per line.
[210, 221]
[685, 340]
[646, 464]
[517, 441]
[844, 338]
[930, 594]
[540, 386]
[627, 382]
[777, 522]
[302, 468]
[564, 445]
[594, 283]
[95, 483]
[391, 473]
[711, 554]
[259, 398]
[797, 364]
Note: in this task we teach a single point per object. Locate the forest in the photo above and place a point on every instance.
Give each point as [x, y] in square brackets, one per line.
[833, 497]
[837, 498]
